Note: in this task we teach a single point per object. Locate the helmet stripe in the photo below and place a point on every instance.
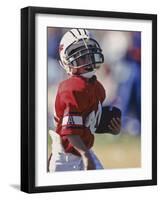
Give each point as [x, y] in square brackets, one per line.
[79, 31]
[73, 34]
[85, 32]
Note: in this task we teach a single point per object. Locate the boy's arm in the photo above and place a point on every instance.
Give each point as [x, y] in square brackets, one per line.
[78, 144]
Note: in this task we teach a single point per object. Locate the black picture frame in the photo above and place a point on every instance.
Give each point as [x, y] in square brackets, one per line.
[28, 91]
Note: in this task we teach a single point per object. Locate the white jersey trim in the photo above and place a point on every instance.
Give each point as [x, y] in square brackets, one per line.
[72, 120]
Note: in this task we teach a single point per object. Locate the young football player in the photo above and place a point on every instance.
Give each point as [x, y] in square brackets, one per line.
[78, 105]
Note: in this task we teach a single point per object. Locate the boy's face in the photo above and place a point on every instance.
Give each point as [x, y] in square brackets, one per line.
[84, 60]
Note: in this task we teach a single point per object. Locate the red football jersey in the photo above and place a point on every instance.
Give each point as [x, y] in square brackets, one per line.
[78, 107]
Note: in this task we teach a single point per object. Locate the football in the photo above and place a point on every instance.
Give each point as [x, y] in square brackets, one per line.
[108, 113]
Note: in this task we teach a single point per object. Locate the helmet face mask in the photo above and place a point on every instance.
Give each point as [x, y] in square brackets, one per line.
[81, 52]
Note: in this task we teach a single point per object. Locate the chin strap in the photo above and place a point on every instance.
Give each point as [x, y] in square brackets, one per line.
[88, 74]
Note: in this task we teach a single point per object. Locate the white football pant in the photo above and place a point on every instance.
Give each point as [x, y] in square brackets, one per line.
[61, 161]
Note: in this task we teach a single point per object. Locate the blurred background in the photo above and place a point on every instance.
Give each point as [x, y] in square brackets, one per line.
[121, 77]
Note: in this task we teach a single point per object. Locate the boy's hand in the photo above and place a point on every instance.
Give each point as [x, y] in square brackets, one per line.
[115, 125]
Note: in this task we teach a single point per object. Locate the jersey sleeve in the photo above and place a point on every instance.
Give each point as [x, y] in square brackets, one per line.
[73, 104]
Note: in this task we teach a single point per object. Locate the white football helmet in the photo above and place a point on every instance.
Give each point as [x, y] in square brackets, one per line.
[76, 44]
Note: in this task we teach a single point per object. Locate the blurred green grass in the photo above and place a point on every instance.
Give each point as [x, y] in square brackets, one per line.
[115, 151]
[118, 151]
